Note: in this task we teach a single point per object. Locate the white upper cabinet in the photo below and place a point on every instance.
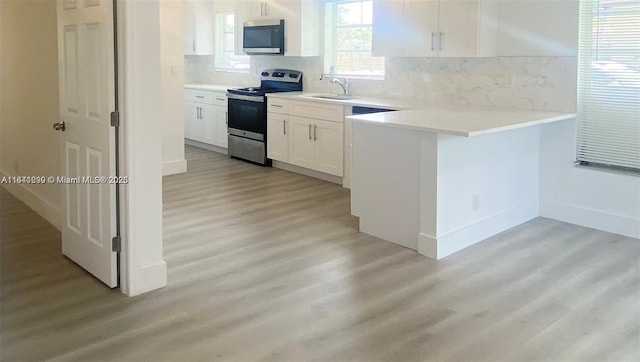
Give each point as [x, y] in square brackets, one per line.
[434, 28]
[538, 28]
[387, 16]
[302, 23]
[197, 23]
[267, 9]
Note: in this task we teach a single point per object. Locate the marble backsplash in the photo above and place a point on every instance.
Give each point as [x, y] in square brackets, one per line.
[540, 83]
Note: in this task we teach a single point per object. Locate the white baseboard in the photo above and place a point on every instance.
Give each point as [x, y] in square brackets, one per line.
[151, 277]
[36, 202]
[591, 218]
[449, 243]
[307, 172]
[174, 167]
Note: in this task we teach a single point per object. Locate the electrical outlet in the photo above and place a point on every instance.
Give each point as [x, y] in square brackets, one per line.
[504, 80]
[476, 202]
[508, 80]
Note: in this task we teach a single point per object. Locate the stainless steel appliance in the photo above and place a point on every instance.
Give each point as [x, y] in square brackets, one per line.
[263, 37]
[247, 113]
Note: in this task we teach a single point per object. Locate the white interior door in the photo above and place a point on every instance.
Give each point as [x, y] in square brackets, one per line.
[87, 96]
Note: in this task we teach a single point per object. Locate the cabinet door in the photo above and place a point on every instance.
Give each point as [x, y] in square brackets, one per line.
[242, 14]
[206, 124]
[191, 115]
[329, 147]
[278, 9]
[459, 28]
[387, 28]
[254, 9]
[189, 27]
[554, 23]
[204, 15]
[220, 126]
[301, 141]
[420, 28]
[277, 137]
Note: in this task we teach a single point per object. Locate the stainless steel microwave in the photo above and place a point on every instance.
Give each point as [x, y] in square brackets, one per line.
[263, 37]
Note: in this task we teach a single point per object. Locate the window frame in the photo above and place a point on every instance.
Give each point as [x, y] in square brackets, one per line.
[330, 54]
[219, 42]
[604, 137]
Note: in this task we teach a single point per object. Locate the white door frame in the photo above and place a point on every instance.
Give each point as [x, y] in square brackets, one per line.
[142, 267]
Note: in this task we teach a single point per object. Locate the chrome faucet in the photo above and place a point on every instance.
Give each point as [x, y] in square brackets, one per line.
[344, 84]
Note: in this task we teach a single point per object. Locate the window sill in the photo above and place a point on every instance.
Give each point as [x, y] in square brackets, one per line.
[358, 77]
[226, 70]
[605, 168]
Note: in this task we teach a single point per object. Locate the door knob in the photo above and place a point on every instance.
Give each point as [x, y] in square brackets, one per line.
[59, 126]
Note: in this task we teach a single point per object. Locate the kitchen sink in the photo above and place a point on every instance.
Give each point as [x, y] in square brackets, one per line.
[334, 96]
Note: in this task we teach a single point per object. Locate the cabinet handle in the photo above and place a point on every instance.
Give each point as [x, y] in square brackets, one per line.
[310, 133]
[226, 118]
[265, 9]
[220, 99]
[315, 132]
[433, 41]
[284, 127]
[441, 41]
[198, 111]
[194, 45]
[261, 8]
[276, 105]
[199, 96]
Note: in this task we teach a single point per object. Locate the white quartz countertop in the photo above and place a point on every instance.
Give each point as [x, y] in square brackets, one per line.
[458, 120]
[396, 104]
[461, 121]
[210, 87]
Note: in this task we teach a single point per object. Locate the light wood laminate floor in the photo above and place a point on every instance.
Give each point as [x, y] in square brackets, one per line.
[268, 265]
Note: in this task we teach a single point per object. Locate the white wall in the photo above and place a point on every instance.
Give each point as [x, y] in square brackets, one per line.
[172, 90]
[598, 199]
[29, 101]
[486, 184]
[144, 264]
[529, 27]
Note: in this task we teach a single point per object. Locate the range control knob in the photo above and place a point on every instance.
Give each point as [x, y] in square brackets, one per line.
[293, 75]
[264, 74]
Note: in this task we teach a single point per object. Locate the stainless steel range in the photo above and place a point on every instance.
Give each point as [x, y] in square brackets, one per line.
[248, 114]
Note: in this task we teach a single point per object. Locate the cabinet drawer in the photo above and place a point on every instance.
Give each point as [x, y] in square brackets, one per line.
[219, 99]
[317, 110]
[199, 96]
[276, 105]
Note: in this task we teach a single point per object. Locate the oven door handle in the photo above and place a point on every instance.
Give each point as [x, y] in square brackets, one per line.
[240, 97]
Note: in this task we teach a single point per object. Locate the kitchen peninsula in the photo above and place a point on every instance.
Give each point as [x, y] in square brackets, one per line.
[442, 178]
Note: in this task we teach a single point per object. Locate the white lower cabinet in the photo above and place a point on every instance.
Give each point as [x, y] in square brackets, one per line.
[328, 147]
[294, 137]
[205, 117]
[220, 123]
[278, 137]
[301, 143]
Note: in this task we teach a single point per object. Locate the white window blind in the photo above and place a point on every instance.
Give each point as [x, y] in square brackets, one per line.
[609, 83]
[348, 39]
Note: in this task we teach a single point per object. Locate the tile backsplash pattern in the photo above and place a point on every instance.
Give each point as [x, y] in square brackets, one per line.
[540, 83]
